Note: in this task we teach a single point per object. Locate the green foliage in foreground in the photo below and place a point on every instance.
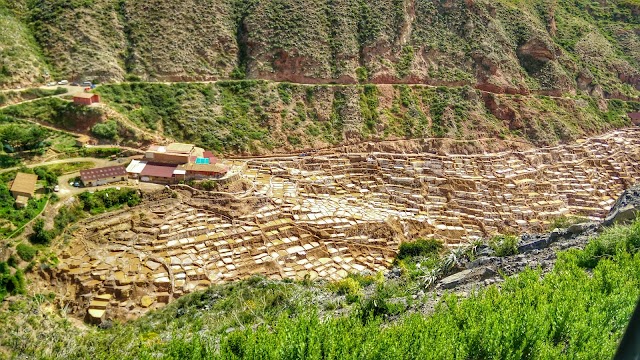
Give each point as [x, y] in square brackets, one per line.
[574, 312]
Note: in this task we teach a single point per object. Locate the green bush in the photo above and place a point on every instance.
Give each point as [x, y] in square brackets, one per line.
[378, 305]
[100, 152]
[26, 252]
[362, 74]
[613, 240]
[20, 137]
[207, 185]
[403, 66]
[349, 287]
[109, 199]
[10, 283]
[563, 222]
[49, 177]
[504, 245]
[106, 130]
[420, 247]
[132, 78]
[40, 235]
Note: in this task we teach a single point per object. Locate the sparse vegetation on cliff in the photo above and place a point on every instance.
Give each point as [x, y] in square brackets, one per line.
[551, 47]
[259, 116]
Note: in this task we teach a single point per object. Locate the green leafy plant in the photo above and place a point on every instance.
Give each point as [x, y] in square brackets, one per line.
[563, 222]
[504, 245]
[420, 247]
[26, 252]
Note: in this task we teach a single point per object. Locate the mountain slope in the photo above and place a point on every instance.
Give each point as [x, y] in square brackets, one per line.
[259, 117]
[547, 46]
[20, 60]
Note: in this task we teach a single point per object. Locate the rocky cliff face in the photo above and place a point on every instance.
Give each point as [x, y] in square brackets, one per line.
[543, 46]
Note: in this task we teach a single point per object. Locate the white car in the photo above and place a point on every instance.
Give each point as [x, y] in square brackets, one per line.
[53, 83]
[63, 82]
[56, 188]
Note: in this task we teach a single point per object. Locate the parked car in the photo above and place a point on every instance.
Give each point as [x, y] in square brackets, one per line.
[87, 83]
[75, 84]
[53, 83]
[56, 188]
[76, 184]
[63, 82]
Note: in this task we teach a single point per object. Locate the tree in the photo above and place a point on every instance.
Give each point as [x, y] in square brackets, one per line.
[106, 130]
[48, 176]
[21, 137]
[40, 235]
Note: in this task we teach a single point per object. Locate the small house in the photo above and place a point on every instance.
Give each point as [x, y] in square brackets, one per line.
[174, 154]
[103, 176]
[158, 173]
[635, 118]
[135, 167]
[23, 188]
[200, 171]
[86, 98]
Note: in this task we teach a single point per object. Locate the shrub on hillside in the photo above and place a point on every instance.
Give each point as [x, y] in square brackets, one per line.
[26, 252]
[563, 222]
[420, 247]
[10, 283]
[40, 235]
[504, 245]
[104, 200]
[609, 243]
[106, 130]
[100, 152]
[49, 177]
[349, 287]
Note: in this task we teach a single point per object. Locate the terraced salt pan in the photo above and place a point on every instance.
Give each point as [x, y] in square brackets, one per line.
[331, 215]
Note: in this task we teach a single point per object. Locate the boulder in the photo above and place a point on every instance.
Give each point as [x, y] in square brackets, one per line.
[577, 229]
[481, 261]
[557, 234]
[484, 250]
[626, 208]
[533, 242]
[467, 276]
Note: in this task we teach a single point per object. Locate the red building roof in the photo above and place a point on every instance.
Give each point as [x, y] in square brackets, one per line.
[634, 115]
[158, 170]
[102, 173]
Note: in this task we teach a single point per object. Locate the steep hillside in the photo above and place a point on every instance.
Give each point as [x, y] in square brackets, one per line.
[21, 62]
[241, 117]
[506, 46]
